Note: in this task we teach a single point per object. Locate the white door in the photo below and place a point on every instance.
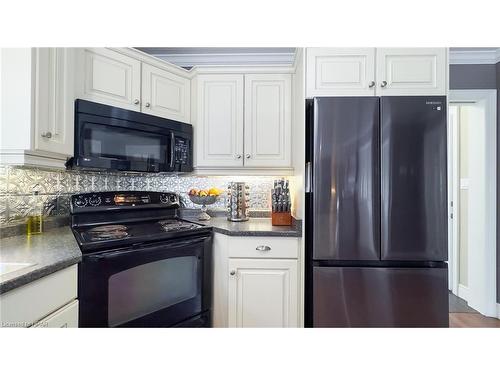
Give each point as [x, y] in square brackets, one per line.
[65, 317]
[411, 71]
[219, 123]
[54, 100]
[165, 94]
[110, 78]
[268, 120]
[340, 72]
[262, 293]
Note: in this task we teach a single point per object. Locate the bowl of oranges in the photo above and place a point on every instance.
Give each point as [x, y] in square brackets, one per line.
[204, 197]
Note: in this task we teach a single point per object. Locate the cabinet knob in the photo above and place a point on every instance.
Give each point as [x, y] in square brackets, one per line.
[372, 83]
[47, 135]
[232, 273]
[263, 248]
[148, 105]
[238, 156]
[136, 101]
[247, 156]
[383, 84]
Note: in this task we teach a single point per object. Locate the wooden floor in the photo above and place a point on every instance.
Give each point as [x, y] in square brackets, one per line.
[472, 320]
[462, 316]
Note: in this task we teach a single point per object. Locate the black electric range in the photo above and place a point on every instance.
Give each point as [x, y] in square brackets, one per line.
[142, 265]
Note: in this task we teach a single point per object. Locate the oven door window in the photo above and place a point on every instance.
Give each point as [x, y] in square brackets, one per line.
[142, 290]
[117, 143]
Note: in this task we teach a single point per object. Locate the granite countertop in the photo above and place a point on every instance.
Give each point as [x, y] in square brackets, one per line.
[254, 227]
[49, 252]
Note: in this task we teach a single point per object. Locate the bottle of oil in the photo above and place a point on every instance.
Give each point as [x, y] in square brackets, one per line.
[34, 224]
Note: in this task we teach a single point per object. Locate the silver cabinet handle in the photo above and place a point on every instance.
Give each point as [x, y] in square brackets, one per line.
[238, 156]
[383, 84]
[148, 105]
[47, 135]
[232, 273]
[136, 101]
[247, 156]
[263, 248]
[372, 83]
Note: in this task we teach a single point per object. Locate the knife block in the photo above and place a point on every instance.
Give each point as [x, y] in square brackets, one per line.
[281, 218]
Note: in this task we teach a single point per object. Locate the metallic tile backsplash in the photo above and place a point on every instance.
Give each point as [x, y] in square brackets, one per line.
[17, 201]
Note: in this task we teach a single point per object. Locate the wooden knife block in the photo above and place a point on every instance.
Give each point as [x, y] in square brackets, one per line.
[281, 218]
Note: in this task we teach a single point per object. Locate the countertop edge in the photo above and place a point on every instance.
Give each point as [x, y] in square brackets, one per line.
[29, 277]
[252, 233]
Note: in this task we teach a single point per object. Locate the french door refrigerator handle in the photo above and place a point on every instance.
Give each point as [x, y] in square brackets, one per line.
[308, 177]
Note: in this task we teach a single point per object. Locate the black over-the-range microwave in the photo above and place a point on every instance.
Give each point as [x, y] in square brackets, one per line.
[110, 138]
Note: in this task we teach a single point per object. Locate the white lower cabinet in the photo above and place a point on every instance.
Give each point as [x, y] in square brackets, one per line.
[49, 301]
[262, 293]
[66, 317]
[256, 282]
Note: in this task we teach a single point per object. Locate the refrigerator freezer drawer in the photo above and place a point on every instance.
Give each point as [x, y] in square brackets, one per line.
[380, 297]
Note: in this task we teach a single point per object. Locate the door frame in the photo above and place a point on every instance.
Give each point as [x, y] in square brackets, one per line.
[482, 297]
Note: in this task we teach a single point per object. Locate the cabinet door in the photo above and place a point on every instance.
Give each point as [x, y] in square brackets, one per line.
[165, 94]
[219, 124]
[110, 78]
[340, 72]
[411, 71]
[65, 317]
[268, 120]
[54, 100]
[262, 293]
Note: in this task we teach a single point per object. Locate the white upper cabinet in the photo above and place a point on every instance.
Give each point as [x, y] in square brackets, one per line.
[109, 77]
[242, 121]
[267, 120]
[262, 293]
[376, 71]
[165, 94]
[37, 111]
[340, 72]
[411, 71]
[219, 122]
[55, 95]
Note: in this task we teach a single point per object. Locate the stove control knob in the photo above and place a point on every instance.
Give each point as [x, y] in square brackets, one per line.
[163, 198]
[173, 198]
[80, 201]
[95, 200]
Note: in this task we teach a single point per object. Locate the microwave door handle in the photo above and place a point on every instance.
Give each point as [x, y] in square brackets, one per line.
[172, 150]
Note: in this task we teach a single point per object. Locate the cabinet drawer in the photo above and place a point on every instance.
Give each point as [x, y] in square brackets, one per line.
[66, 317]
[25, 305]
[263, 247]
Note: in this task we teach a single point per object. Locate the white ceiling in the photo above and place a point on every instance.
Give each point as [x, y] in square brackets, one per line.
[188, 57]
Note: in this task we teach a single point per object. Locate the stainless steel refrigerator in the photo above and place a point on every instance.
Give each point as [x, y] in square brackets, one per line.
[376, 212]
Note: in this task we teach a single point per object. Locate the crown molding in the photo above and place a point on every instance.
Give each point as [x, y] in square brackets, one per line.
[475, 57]
[193, 60]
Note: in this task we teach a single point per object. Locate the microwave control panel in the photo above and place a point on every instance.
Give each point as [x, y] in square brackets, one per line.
[181, 151]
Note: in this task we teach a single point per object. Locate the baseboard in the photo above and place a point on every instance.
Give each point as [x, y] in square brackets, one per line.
[463, 292]
[498, 310]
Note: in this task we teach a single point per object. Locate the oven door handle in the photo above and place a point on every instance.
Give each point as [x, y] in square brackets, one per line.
[173, 245]
[172, 150]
